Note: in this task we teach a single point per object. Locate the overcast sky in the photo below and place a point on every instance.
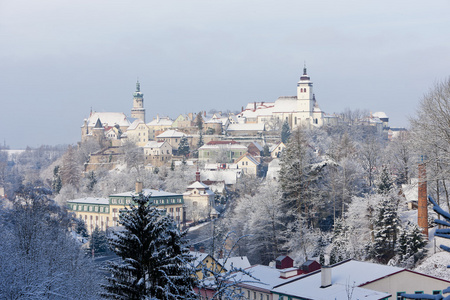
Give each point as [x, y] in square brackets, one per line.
[60, 58]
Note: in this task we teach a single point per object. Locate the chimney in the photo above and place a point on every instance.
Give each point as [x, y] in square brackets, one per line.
[422, 210]
[254, 105]
[325, 273]
[138, 187]
[197, 176]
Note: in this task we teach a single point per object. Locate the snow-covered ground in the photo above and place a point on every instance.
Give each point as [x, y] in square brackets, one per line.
[436, 265]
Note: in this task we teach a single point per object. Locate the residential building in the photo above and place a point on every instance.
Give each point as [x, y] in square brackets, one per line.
[199, 199]
[173, 137]
[277, 149]
[104, 212]
[158, 126]
[157, 153]
[138, 133]
[358, 280]
[249, 164]
[221, 151]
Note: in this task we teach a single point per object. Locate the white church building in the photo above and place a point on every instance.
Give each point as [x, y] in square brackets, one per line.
[301, 109]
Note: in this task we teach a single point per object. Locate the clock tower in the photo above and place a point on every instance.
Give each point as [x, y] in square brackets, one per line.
[138, 110]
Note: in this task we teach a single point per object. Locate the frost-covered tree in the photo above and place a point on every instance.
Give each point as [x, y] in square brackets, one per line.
[71, 168]
[410, 245]
[92, 180]
[385, 184]
[155, 259]
[386, 226]
[39, 257]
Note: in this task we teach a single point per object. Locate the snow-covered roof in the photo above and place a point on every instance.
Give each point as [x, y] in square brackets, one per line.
[155, 144]
[274, 147]
[228, 176]
[223, 146]
[108, 118]
[380, 115]
[249, 157]
[411, 191]
[171, 134]
[135, 124]
[198, 185]
[90, 200]
[265, 277]
[146, 192]
[246, 127]
[351, 271]
[164, 121]
[198, 257]
[238, 262]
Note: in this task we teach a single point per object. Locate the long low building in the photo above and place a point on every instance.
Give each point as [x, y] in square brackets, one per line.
[104, 212]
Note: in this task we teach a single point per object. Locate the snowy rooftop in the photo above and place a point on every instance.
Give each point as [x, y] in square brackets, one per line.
[171, 134]
[165, 121]
[108, 118]
[352, 271]
[146, 192]
[154, 144]
[265, 277]
[90, 200]
[246, 127]
[198, 185]
[380, 115]
[238, 262]
[135, 124]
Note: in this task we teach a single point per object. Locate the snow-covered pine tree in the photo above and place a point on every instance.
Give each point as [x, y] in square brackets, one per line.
[285, 132]
[410, 246]
[386, 226]
[339, 241]
[155, 259]
[386, 183]
[98, 241]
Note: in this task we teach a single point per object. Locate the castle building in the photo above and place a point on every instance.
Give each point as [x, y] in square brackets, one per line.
[298, 110]
[138, 110]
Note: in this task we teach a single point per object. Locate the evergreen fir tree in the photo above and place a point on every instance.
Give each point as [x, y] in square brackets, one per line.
[92, 180]
[80, 228]
[183, 148]
[155, 257]
[386, 226]
[411, 245]
[98, 241]
[386, 183]
[285, 132]
[266, 151]
[57, 182]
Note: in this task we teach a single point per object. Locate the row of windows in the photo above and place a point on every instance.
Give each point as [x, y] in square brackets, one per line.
[93, 208]
[255, 296]
[155, 201]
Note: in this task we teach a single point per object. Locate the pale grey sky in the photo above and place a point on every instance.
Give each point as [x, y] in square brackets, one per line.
[60, 58]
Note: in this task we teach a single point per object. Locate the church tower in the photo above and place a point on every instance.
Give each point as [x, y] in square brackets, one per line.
[138, 110]
[305, 95]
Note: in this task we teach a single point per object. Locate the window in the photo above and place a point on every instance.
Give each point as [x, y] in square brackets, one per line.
[248, 294]
[254, 295]
[107, 209]
[399, 295]
[418, 292]
[171, 210]
[178, 209]
[90, 208]
[436, 292]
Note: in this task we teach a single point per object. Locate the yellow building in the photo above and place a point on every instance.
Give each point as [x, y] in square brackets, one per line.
[104, 212]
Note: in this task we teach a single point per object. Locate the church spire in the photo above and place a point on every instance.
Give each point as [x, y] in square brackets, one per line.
[304, 68]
